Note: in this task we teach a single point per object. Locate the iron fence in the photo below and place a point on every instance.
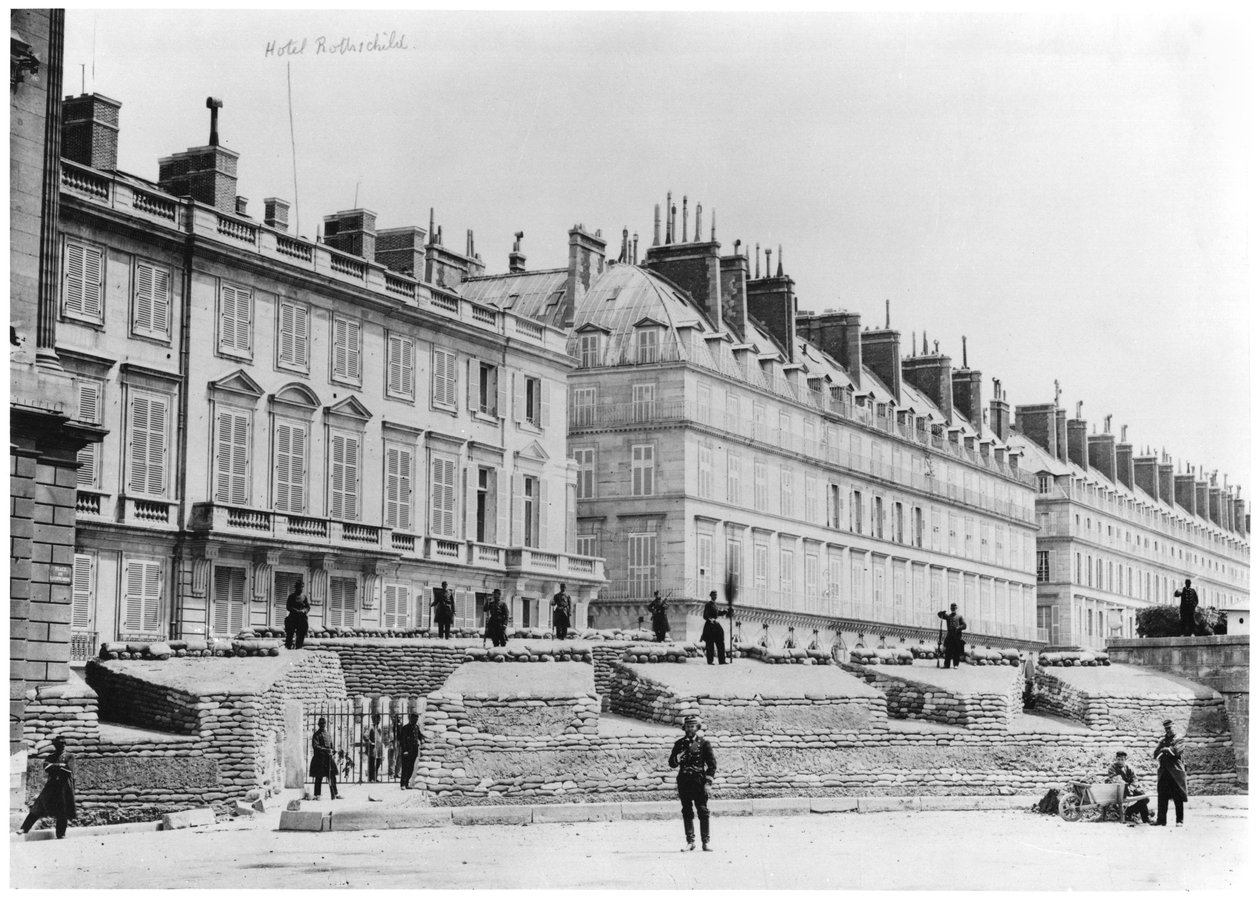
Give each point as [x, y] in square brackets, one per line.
[364, 733]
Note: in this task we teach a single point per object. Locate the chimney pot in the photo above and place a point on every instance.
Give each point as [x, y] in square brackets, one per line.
[89, 131]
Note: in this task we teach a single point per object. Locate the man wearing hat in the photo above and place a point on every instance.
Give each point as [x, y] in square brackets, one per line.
[693, 756]
[1135, 800]
[323, 763]
[713, 636]
[1172, 776]
[56, 800]
[1189, 601]
[954, 626]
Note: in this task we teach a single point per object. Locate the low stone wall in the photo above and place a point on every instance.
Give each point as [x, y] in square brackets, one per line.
[909, 699]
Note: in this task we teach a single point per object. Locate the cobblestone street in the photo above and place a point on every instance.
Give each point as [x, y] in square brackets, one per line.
[966, 850]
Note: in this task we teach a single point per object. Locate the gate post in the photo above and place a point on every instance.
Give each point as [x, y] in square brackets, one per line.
[294, 744]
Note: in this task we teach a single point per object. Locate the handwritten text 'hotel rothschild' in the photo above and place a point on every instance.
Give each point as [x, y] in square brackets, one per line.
[323, 45]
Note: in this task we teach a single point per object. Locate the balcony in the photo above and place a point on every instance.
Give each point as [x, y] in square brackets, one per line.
[249, 522]
[485, 555]
[577, 567]
[150, 512]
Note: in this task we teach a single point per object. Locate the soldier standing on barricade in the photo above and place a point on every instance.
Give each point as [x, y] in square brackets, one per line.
[443, 607]
[561, 611]
[298, 605]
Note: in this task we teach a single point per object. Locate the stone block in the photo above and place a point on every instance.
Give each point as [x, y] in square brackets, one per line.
[780, 807]
[731, 807]
[194, 817]
[496, 814]
[409, 818]
[832, 805]
[572, 814]
[242, 808]
[308, 821]
[888, 803]
[650, 811]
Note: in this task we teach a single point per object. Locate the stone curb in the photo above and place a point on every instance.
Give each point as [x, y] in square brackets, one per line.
[100, 830]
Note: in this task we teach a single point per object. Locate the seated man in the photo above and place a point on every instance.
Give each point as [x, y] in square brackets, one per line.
[1135, 800]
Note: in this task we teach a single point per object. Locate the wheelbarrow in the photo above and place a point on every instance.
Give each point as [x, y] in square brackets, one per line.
[1092, 802]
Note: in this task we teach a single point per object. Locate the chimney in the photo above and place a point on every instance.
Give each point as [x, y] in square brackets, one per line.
[838, 334]
[1124, 462]
[1037, 422]
[999, 412]
[930, 374]
[696, 268]
[967, 398]
[1214, 506]
[352, 232]
[733, 287]
[1146, 475]
[1240, 515]
[89, 131]
[207, 174]
[1102, 454]
[401, 250]
[516, 259]
[881, 353]
[1201, 498]
[242, 205]
[1184, 487]
[276, 213]
[1077, 443]
[586, 262]
[444, 267]
[772, 303]
[1166, 490]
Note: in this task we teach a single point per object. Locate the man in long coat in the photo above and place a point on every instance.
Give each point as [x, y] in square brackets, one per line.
[56, 799]
[409, 743]
[954, 627]
[443, 606]
[1172, 776]
[693, 756]
[658, 608]
[323, 761]
[561, 611]
[296, 621]
[713, 636]
[1189, 601]
[496, 620]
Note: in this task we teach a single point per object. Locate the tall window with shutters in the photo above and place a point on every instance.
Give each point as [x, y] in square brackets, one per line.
[81, 608]
[341, 602]
[229, 609]
[293, 344]
[401, 367]
[444, 378]
[442, 518]
[236, 316]
[151, 301]
[343, 476]
[148, 420]
[398, 479]
[585, 458]
[642, 469]
[142, 597]
[583, 406]
[347, 350]
[83, 283]
[290, 466]
[396, 607]
[642, 564]
[91, 395]
[232, 429]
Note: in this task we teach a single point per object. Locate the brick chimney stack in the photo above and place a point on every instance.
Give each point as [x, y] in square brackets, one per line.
[1124, 458]
[839, 334]
[881, 353]
[89, 131]
[999, 412]
[733, 291]
[772, 303]
[1201, 497]
[1102, 454]
[1166, 489]
[695, 267]
[931, 374]
[1061, 433]
[516, 259]
[207, 174]
[352, 232]
[1077, 442]
[1146, 475]
[1183, 485]
[586, 262]
[401, 250]
[1037, 421]
[967, 395]
[276, 213]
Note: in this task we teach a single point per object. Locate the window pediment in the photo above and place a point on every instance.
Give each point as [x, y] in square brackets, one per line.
[237, 384]
[295, 394]
[351, 408]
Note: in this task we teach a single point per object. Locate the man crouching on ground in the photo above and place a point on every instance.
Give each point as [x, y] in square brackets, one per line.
[693, 756]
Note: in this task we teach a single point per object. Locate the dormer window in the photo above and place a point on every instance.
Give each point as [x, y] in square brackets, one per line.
[648, 344]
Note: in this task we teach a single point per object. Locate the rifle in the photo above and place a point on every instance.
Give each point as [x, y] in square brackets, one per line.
[731, 590]
[940, 628]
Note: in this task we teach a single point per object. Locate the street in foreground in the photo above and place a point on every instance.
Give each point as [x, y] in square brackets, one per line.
[957, 850]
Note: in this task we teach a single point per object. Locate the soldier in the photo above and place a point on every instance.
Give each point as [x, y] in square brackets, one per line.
[323, 764]
[693, 756]
[496, 620]
[954, 626]
[1189, 601]
[409, 743]
[713, 636]
[561, 610]
[660, 616]
[56, 799]
[443, 607]
[1172, 776]
[298, 604]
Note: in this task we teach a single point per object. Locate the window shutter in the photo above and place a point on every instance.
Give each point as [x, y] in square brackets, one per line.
[542, 514]
[470, 503]
[398, 488]
[157, 447]
[139, 462]
[89, 401]
[73, 289]
[288, 313]
[84, 580]
[473, 369]
[232, 458]
[301, 335]
[518, 397]
[354, 338]
[500, 392]
[227, 317]
[86, 458]
[343, 495]
[407, 366]
[133, 606]
[502, 506]
[518, 509]
[389, 603]
[143, 305]
[239, 610]
[339, 347]
[544, 405]
[290, 466]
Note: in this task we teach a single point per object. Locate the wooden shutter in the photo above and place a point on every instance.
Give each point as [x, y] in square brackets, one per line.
[518, 397]
[89, 412]
[354, 338]
[142, 605]
[234, 318]
[398, 462]
[389, 605]
[544, 404]
[148, 445]
[473, 393]
[290, 468]
[503, 506]
[518, 509]
[294, 334]
[152, 299]
[230, 614]
[339, 347]
[470, 503]
[84, 588]
[232, 457]
[344, 477]
[500, 392]
[541, 537]
[84, 289]
[442, 520]
[400, 365]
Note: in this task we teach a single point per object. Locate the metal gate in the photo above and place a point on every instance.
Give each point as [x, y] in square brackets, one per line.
[364, 735]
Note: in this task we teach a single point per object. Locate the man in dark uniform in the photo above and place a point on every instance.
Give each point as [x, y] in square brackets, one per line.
[443, 606]
[298, 604]
[56, 799]
[1189, 601]
[693, 756]
[660, 616]
[409, 743]
[1172, 776]
[496, 620]
[954, 626]
[561, 611]
[1135, 800]
[713, 636]
[323, 762]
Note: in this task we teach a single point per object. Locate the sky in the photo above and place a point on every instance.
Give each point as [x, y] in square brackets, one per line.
[1069, 192]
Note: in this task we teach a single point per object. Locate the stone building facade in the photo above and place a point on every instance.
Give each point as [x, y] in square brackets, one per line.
[848, 487]
[1121, 529]
[279, 408]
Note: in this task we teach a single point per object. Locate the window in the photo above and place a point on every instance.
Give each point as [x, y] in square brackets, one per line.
[236, 312]
[877, 518]
[398, 478]
[588, 350]
[229, 612]
[787, 575]
[1043, 566]
[648, 343]
[84, 581]
[734, 558]
[759, 421]
[396, 606]
[294, 341]
[642, 469]
[531, 509]
[786, 505]
[1043, 483]
[761, 489]
[643, 396]
[834, 512]
[899, 523]
[283, 582]
[734, 466]
[487, 511]
[761, 566]
[442, 491]
[343, 476]
[641, 557]
[732, 412]
[703, 404]
[705, 484]
[588, 544]
[401, 366]
[147, 418]
[531, 401]
[142, 596]
[347, 350]
[918, 530]
[91, 393]
[584, 406]
[151, 301]
[231, 456]
[487, 389]
[704, 558]
[585, 458]
[341, 601]
[443, 378]
[83, 282]
[855, 512]
[811, 499]
[290, 467]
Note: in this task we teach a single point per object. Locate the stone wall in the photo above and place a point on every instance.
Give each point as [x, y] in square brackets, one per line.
[394, 667]
[909, 699]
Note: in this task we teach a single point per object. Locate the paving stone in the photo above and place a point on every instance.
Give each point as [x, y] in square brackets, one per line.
[888, 803]
[764, 807]
[194, 817]
[571, 814]
[308, 821]
[650, 811]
